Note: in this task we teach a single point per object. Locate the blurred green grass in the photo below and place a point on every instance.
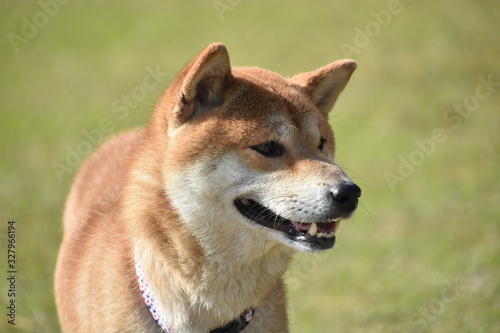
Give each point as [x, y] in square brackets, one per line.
[422, 256]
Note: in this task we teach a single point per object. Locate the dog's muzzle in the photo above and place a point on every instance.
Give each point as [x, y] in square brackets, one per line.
[318, 235]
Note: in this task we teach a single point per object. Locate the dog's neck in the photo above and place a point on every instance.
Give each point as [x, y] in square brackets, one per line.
[216, 295]
[195, 281]
[158, 313]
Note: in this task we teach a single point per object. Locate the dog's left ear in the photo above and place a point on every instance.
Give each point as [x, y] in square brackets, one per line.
[324, 85]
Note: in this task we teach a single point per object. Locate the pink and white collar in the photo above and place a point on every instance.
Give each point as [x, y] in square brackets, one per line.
[154, 307]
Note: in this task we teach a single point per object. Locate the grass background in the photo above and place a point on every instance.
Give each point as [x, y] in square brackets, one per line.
[421, 255]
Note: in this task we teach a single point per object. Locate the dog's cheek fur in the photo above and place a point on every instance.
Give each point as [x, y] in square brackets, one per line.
[204, 197]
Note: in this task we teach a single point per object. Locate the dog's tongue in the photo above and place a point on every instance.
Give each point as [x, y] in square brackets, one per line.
[302, 226]
[328, 227]
[325, 227]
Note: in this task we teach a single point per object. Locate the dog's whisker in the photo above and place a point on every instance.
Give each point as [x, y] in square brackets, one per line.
[367, 211]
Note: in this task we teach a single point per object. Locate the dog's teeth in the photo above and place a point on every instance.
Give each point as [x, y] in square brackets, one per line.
[313, 230]
[246, 202]
[321, 235]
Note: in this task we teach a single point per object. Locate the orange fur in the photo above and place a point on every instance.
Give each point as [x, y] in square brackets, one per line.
[165, 194]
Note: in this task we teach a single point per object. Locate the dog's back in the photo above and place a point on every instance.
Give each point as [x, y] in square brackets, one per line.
[89, 224]
[99, 182]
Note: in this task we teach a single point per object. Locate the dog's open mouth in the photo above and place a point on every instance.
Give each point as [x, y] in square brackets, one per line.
[319, 235]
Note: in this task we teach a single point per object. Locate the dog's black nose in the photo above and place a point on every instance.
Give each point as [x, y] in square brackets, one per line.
[346, 195]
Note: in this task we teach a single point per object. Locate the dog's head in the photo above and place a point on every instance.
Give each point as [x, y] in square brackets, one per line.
[248, 154]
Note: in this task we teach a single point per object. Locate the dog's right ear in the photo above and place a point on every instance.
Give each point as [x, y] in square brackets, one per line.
[201, 84]
[324, 85]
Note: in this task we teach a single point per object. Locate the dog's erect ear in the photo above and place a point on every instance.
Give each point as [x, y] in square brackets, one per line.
[324, 85]
[202, 82]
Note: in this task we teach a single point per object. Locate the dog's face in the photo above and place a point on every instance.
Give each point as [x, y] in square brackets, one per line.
[250, 154]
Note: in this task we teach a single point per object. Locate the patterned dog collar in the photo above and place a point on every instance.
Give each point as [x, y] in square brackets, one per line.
[157, 311]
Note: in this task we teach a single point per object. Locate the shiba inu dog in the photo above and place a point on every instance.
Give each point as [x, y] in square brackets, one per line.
[188, 225]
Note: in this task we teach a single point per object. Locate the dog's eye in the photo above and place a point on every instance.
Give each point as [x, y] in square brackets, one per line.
[269, 149]
[321, 143]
